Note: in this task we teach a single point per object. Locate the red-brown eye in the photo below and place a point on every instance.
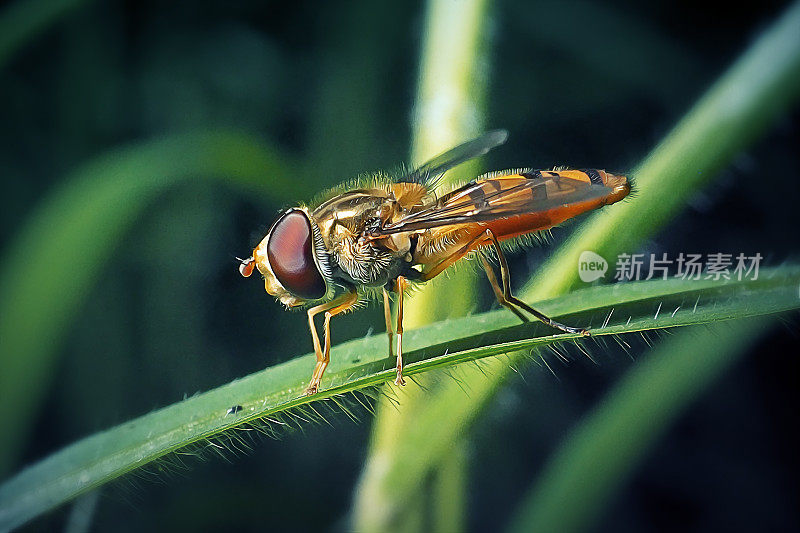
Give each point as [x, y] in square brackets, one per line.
[290, 251]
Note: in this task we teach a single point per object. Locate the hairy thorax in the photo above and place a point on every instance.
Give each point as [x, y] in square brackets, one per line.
[345, 222]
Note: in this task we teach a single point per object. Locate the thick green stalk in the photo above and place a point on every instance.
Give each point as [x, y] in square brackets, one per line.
[600, 454]
[449, 494]
[449, 110]
[763, 83]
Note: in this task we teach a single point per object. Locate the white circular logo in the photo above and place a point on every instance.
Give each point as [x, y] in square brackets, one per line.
[591, 266]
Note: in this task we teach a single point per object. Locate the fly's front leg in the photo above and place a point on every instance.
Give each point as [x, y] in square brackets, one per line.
[387, 312]
[313, 385]
[332, 308]
[402, 285]
[506, 299]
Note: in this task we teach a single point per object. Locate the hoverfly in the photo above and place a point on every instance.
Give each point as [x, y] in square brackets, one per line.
[388, 234]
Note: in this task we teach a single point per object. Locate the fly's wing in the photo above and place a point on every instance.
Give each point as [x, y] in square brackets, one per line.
[500, 196]
[455, 156]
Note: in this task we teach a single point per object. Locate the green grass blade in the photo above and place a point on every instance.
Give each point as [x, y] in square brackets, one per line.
[46, 271]
[361, 364]
[763, 83]
[599, 455]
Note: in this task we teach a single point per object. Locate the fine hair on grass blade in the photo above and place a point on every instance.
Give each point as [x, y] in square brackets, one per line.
[618, 432]
[275, 395]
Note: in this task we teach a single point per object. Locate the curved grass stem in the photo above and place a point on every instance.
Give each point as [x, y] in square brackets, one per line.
[262, 398]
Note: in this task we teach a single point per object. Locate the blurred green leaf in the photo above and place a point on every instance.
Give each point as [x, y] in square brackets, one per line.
[450, 493]
[763, 83]
[361, 364]
[735, 111]
[24, 20]
[607, 55]
[46, 271]
[599, 455]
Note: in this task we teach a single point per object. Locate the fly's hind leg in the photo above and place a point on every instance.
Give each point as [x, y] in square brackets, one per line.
[504, 295]
[331, 309]
[508, 300]
[499, 293]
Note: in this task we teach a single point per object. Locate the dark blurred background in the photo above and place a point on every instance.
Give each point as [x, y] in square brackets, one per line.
[332, 86]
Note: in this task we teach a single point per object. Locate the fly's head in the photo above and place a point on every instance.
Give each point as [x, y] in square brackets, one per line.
[292, 259]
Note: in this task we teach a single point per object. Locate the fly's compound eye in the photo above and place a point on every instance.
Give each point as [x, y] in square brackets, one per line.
[290, 251]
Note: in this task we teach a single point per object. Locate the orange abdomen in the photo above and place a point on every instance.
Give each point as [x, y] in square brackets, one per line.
[618, 188]
[516, 204]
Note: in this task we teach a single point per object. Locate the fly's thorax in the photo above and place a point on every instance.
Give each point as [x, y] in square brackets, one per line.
[353, 211]
[359, 260]
[400, 243]
[345, 223]
[293, 260]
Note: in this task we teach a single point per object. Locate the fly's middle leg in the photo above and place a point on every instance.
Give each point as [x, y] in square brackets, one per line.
[387, 313]
[402, 285]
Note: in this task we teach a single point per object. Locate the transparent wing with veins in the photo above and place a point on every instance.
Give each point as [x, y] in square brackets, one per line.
[440, 164]
[500, 196]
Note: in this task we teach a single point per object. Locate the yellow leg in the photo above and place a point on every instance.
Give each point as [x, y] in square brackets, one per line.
[504, 296]
[498, 292]
[332, 308]
[508, 300]
[402, 285]
[387, 312]
[476, 242]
